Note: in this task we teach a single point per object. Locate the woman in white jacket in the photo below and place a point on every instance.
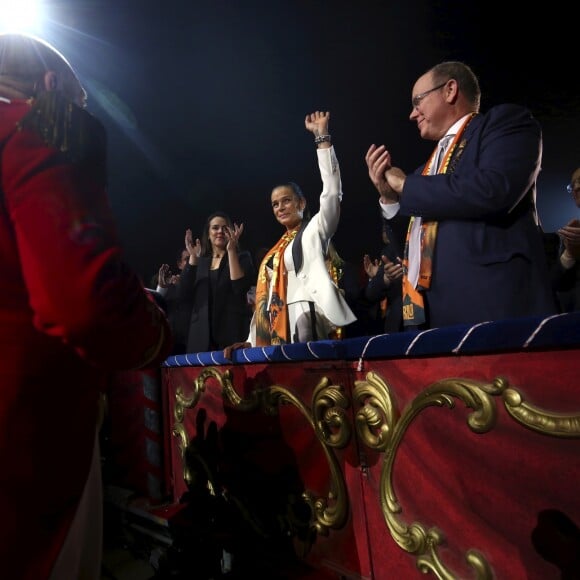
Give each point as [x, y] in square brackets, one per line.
[297, 299]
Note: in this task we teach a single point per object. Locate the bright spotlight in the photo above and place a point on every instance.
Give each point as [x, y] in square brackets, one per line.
[20, 16]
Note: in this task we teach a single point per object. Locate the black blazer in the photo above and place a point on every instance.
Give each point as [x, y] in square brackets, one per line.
[396, 232]
[222, 314]
[179, 315]
[565, 282]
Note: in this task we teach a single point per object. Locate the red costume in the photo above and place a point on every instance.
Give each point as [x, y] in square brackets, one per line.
[71, 312]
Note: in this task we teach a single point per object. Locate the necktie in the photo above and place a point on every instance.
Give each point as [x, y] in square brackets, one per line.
[416, 226]
[441, 149]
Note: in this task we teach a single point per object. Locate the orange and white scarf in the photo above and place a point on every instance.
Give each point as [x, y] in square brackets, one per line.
[272, 325]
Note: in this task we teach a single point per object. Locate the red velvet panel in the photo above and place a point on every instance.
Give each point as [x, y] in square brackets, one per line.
[483, 491]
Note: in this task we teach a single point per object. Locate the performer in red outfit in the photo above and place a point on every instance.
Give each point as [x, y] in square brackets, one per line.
[71, 313]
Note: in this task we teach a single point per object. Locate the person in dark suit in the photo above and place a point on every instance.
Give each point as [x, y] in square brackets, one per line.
[385, 279]
[215, 282]
[474, 249]
[566, 269]
[178, 311]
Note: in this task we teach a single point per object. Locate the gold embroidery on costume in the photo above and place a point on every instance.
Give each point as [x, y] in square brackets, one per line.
[65, 126]
[335, 265]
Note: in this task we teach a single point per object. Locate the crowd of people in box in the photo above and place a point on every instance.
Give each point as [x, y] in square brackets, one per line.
[461, 240]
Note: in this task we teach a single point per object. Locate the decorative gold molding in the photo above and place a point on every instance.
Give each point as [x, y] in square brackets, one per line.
[548, 423]
[182, 441]
[377, 414]
[224, 380]
[381, 427]
[328, 420]
[183, 402]
[333, 430]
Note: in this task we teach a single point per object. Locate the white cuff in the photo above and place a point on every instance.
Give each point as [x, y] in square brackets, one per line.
[389, 210]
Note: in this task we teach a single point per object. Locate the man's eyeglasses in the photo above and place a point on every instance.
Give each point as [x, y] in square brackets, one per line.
[570, 186]
[416, 100]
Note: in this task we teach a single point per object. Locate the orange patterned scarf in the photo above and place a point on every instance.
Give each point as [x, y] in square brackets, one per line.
[413, 302]
[272, 319]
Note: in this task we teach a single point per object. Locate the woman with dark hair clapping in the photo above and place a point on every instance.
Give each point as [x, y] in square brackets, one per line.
[215, 281]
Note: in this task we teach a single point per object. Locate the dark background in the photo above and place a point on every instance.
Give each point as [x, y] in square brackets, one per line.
[204, 101]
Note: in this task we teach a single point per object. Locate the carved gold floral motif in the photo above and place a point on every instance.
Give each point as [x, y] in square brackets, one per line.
[382, 427]
[553, 424]
[328, 420]
[183, 402]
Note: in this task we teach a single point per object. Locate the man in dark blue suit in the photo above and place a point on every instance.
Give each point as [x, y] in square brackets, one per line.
[474, 248]
[566, 268]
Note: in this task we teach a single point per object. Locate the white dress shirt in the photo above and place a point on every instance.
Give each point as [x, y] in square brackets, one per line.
[392, 209]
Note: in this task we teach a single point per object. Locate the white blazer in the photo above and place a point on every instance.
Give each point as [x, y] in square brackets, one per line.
[313, 282]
